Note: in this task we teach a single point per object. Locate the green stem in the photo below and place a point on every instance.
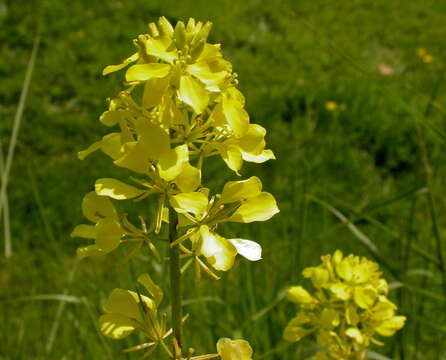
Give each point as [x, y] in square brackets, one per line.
[175, 282]
[166, 349]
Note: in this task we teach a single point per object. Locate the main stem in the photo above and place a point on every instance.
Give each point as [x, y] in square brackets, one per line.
[175, 283]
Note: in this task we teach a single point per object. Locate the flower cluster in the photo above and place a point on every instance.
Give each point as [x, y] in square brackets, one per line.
[349, 306]
[179, 107]
[188, 109]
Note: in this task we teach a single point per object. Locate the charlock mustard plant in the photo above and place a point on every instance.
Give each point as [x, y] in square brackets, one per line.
[179, 107]
[348, 307]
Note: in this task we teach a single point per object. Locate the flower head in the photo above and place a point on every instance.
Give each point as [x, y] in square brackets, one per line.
[348, 307]
[241, 201]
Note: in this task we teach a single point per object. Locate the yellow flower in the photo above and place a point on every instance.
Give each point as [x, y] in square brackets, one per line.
[241, 201]
[331, 105]
[234, 349]
[421, 52]
[428, 59]
[107, 231]
[348, 307]
[249, 147]
[425, 57]
[178, 57]
[127, 311]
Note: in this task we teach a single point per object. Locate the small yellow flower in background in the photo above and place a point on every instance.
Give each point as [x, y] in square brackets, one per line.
[234, 349]
[425, 56]
[348, 307]
[421, 52]
[331, 105]
[428, 59]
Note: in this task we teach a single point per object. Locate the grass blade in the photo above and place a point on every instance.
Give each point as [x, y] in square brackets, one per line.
[60, 309]
[16, 125]
[364, 239]
[5, 204]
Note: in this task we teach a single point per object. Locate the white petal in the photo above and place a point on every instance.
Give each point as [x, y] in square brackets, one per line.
[248, 249]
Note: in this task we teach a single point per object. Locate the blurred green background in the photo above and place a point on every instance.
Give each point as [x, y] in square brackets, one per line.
[366, 177]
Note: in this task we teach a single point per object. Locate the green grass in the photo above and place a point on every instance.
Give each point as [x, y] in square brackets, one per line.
[365, 162]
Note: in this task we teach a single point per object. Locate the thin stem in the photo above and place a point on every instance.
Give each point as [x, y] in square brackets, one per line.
[175, 283]
[166, 349]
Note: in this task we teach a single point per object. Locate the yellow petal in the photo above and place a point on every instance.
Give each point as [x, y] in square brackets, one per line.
[259, 208]
[151, 287]
[299, 295]
[241, 190]
[170, 114]
[319, 276]
[92, 148]
[96, 207]
[84, 231]
[389, 327]
[265, 155]
[90, 250]
[116, 326]
[112, 68]
[111, 117]
[193, 93]
[172, 163]
[193, 202]
[108, 234]
[126, 303]
[365, 296]
[134, 157]
[231, 155]
[154, 91]
[154, 141]
[293, 333]
[189, 179]
[253, 142]
[204, 72]
[341, 290]
[351, 315]
[219, 251]
[235, 115]
[329, 318]
[144, 72]
[162, 48]
[111, 145]
[355, 334]
[234, 349]
[383, 310]
[116, 189]
[248, 249]
[344, 269]
[235, 94]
